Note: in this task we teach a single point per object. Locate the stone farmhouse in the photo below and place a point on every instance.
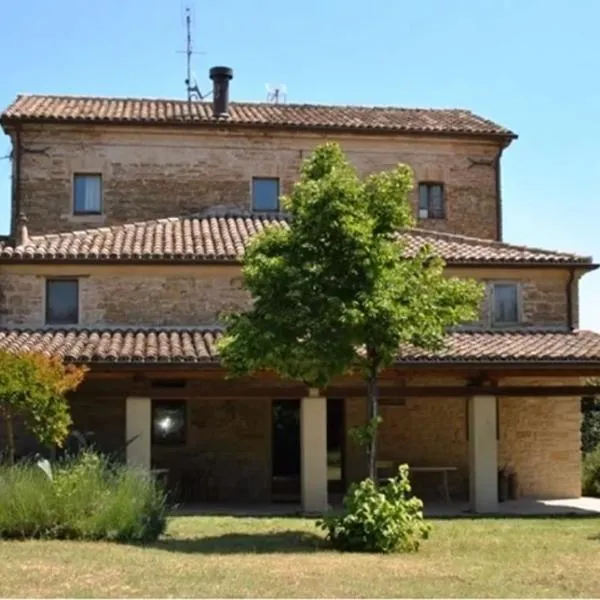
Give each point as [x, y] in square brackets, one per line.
[129, 221]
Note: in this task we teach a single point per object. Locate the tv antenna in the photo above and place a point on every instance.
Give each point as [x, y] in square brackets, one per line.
[191, 83]
[276, 93]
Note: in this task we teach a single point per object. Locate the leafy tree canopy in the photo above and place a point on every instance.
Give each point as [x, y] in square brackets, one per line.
[336, 290]
[33, 387]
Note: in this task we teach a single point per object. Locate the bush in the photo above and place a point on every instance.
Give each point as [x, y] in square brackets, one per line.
[591, 473]
[87, 498]
[385, 519]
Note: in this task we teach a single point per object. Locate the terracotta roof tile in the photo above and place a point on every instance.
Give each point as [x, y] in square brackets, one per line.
[198, 345]
[223, 238]
[307, 116]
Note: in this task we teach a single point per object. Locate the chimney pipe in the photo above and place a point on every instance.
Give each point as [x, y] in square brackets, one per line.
[221, 76]
[22, 232]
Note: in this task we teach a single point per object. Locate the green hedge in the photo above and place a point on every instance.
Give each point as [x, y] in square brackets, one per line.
[85, 498]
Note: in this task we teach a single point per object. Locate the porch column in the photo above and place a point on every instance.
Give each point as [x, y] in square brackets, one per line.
[483, 454]
[137, 431]
[313, 431]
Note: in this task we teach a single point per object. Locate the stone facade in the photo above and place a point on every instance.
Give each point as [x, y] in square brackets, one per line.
[193, 295]
[159, 172]
[228, 452]
[538, 437]
[134, 296]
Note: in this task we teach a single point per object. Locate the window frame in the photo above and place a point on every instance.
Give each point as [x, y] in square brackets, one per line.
[265, 210]
[47, 284]
[519, 301]
[86, 213]
[157, 405]
[429, 184]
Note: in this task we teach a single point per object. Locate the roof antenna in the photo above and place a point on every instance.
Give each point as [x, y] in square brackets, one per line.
[276, 93]
[191, 84]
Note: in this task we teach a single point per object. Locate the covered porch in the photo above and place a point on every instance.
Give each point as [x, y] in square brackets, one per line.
[228, 455]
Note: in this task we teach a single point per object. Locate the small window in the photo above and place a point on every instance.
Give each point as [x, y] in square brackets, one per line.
[62, 301]
[505, 303]
[169, 423]
[87, 194]
[431, 201]
[265, 194]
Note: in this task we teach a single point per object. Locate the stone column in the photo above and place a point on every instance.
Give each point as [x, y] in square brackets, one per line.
[313, 444]
[483, 454]
[138, 431]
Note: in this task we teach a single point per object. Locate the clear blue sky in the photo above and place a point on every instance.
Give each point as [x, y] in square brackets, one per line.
[531, 65]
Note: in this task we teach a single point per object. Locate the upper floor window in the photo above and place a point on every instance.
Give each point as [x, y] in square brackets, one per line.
[87, 194]
[431, 201]
[62, 301]
[265, 194]
[505, 304]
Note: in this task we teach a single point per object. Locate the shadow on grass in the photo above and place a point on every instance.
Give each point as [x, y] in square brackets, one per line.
[511, 517]
[244, 543]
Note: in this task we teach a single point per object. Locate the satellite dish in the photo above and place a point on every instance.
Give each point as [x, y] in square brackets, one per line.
[276, 93]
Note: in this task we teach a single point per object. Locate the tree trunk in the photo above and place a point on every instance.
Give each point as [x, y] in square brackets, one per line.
[373, 402]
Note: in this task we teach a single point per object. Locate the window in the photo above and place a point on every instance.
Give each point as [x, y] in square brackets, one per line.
[265, 194]
[505, 305]
[87, 194]
[431, 201]
[62, 301]
[169, 423]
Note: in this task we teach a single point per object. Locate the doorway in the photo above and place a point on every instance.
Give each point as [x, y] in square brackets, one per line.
[286, 454]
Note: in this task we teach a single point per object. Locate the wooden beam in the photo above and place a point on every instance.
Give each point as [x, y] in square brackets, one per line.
[220, 389]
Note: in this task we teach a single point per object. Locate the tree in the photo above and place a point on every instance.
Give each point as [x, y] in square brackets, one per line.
[33, 387]
[337, 291]
[590, 422]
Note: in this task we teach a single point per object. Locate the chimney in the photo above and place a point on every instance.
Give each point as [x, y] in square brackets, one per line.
[22, 232]
[221, 77]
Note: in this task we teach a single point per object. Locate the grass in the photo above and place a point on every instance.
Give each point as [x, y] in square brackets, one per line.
[284, 557]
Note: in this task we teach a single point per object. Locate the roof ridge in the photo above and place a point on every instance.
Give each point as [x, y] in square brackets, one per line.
[230, 214]
[58, 96]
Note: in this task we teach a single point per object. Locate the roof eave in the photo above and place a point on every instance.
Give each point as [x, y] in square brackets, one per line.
[505, 137]
[5, 260]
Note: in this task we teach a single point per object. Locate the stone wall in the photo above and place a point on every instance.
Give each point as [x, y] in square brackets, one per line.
[228, 452]
[193, 295]
[538, 437]
[135, 296]
[152, 172]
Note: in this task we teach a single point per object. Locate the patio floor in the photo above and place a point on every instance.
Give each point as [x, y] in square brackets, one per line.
[524, 507]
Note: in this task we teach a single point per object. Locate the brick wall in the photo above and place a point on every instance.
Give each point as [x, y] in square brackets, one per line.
[538, 437]
[192, 295]
[128, 296]
[151, 172]
[228, 452]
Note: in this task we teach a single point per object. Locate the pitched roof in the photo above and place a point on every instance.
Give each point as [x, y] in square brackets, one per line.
[197, 345]
[306, 116]
[223, 239]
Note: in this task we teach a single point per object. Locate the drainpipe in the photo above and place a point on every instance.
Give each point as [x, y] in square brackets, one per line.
[570, 320]
[498, 195]
[16, 199]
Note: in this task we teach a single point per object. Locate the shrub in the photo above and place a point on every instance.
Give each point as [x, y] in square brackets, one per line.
[591, 473]
[86, 498]
[378, 519]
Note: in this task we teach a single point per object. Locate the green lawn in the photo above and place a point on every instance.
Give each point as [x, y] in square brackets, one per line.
[228, 556]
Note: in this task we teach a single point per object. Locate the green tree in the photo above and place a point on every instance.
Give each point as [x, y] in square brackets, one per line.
[590, 422]
[33, 387]
[337, 291]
